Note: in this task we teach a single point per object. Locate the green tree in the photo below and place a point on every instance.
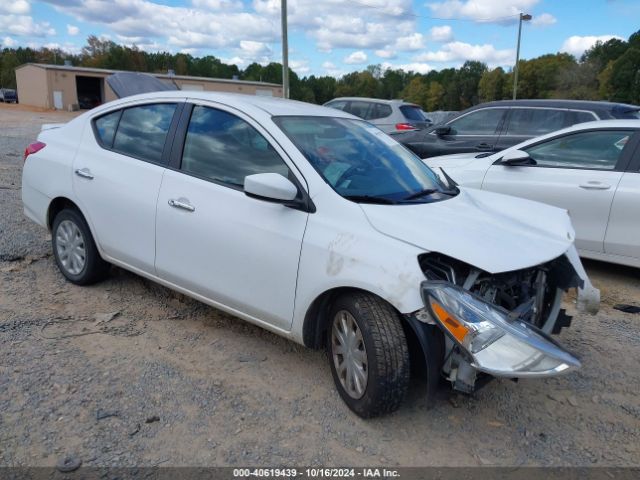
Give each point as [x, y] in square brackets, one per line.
[624, 80]
[491, 85]
[416, 92]
[8, 63]
[435, 97]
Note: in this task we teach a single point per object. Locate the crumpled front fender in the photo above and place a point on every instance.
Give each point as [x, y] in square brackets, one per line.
[588, 295]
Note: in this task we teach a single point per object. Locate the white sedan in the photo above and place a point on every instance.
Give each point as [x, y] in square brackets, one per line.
[591, 169]
[317, 226]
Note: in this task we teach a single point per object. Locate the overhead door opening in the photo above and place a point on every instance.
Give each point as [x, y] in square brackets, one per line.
[90, 91]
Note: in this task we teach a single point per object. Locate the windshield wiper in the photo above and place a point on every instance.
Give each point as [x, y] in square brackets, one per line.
[421, 193]
[429, 191]
[370, 199]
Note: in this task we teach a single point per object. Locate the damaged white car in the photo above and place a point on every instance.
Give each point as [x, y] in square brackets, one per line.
[317, 226]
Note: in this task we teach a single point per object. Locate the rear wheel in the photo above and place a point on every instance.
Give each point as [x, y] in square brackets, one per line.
[368, 354]
[75, 251]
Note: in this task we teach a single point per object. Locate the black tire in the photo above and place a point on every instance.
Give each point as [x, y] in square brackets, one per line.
[94, 268]
[387, 368]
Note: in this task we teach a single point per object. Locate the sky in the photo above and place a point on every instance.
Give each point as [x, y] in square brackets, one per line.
[326, 37]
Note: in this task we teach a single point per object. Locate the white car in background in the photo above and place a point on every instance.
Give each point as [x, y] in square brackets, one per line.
[591, 169]
[316, 225]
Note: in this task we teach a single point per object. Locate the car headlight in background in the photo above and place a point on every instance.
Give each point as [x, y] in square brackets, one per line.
[497, 344]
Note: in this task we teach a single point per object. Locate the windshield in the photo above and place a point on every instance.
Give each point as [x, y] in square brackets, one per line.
[413, 113]
[361, 162]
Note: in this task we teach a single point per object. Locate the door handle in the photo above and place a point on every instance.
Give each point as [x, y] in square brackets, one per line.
[595, 186]
[484, 146]
[182, 203]
[84, 173]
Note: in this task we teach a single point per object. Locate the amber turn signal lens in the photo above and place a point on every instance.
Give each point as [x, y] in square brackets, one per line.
[447, 320]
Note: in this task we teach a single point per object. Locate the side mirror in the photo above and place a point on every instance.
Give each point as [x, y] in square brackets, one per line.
[271, 187]
[443, 130]
[516, 158]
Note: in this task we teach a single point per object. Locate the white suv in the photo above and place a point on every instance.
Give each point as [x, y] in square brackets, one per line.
[315, 225]
[390, 116]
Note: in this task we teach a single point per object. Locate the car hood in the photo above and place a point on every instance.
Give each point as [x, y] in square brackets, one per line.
[493, 232]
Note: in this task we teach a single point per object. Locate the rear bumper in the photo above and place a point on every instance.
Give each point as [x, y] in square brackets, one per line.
[36, 204]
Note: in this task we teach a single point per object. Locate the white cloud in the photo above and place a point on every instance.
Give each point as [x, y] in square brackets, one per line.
[255, 48]
[356, 58]
[300, 66]
[8, 42]
[490, 11]
[72, 30]
[460, 51]
[23, 25]
[417, 67]
[386, 53]
[577, 45]
[240, 62]
[217, 4]
[442, 33]
[204, 24]
[339, 24]
[543, 20]
[331, 69]
[16, 7]
[411, 42]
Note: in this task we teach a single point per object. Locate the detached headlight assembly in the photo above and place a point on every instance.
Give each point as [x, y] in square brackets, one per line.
[497, 344]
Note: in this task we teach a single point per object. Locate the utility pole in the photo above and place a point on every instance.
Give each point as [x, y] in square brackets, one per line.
[526, 17]
[285, 51]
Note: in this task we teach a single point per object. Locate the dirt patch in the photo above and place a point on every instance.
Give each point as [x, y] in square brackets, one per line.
[129, 373]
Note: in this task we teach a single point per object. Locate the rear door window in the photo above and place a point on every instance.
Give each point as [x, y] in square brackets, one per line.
[595, 150]
[535, 121]
[480, 122]
[580, 117]
[143, 130]
[360, 109]
[338, 105]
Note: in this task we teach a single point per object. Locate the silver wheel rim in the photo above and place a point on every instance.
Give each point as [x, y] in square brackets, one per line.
[70, 247]
[349, 354]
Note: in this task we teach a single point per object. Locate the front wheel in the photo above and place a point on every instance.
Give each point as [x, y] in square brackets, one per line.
[368, 354]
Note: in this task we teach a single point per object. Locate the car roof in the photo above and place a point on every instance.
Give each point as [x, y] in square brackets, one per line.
[273, 106]
[396, 101]
[579, 127]
[578, 104]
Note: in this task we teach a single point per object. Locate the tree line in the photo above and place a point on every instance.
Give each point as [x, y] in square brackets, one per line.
[607, 71]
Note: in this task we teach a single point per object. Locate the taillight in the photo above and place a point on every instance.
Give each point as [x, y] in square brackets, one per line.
[33, 148]
[405, 126]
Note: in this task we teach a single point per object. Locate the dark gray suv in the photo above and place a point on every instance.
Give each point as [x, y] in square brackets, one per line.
[494, 126]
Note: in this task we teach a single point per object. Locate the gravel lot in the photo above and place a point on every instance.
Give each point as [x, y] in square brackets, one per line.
[170, 381]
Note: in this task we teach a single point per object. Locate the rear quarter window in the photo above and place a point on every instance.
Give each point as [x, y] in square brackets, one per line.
[535, 121]
[379, 110]
[106, 128]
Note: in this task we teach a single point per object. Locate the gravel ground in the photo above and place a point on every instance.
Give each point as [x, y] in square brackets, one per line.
[128, 373]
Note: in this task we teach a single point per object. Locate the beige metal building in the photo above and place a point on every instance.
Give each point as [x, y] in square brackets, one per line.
[65, 87]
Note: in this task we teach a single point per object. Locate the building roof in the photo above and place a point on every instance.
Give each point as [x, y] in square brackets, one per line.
[71, 68]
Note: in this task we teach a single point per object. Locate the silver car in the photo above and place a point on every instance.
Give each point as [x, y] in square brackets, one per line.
[388, 115]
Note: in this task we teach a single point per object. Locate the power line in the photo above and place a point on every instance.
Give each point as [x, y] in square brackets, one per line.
[415, 15]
